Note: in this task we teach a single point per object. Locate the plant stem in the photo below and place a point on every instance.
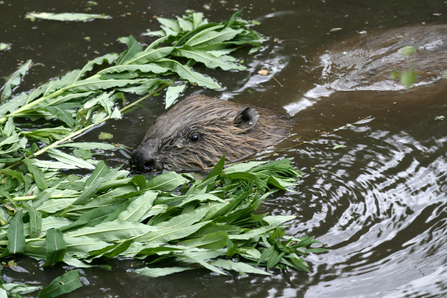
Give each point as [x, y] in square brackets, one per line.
[144, 97]
[29, 198]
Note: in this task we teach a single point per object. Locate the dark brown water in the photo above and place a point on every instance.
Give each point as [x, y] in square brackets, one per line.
[379, 202]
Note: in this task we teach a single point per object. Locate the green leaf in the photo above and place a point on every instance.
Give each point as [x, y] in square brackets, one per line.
[14, 81]
[133, 47]
[70, 159]
[105, 136]
[166, 181]
[16, 235]
[138, 207]
[83, 17]
[82, 247]
[184, 25]
[90, 218]
[113, 231]
[218, 168]
[18, 289]
[408, 50]
[238, 267]
[157, 272]
[43, 134]
[55, 246]
[177, 228]
[92, 84]
[408, 77]
[12, 105]
[101, 170]
[62, 285]
[171, 24]
[204, 57]
[204, 38]
[173, 93]
[150, 55]
[186, 73]
[35, 220]
[92, 188]
[145, 68]
[37, 174]
[211, 241]
[89, 146]
[62, 114]
[81, 153]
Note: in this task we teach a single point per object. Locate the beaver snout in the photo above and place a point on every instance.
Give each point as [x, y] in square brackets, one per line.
[142, 160]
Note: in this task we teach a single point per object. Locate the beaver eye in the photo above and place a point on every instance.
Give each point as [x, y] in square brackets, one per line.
[195, 137]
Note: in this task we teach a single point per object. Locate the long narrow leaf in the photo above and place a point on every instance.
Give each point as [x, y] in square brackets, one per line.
[62, 285]
[16, 235]
[157, 272]
[70, 159]
[209, 60]
[14, 81]
[150, 56]
[139, 207]
[133, 47]
[56, 247]
[185, 72]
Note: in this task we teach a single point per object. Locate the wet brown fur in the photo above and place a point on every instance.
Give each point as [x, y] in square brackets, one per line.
[168, 145]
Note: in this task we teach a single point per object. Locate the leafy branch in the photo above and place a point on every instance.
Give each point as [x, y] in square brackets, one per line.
[85, 98]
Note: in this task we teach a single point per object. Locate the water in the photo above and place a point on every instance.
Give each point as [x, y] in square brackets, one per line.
[378, 202]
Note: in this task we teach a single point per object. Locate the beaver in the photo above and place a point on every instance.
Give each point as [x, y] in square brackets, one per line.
[198, 131]
[365, 62]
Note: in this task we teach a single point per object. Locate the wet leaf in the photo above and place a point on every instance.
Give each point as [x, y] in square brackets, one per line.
[172, 93]
[14, 81]
[166, 181]
[157, 272]
[408, 50]
[338, 146]
[408, 77]
[238, 267]
[138, 207]
[37, 174]
[81, 153]
[35, 220]
[105, 136]
[89, 146]
[70, 159]
[16, 235]
[204, 57]
[82, 17]
[62, 114]
[133, 47]
[62, 285]
[185, 72]
[55, 247]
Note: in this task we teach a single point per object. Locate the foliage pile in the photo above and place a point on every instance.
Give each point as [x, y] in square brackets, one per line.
[172, 219]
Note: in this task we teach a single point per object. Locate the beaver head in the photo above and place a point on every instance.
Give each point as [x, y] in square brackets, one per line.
[198, 131]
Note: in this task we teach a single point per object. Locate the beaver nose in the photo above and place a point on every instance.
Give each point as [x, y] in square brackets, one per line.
[142, 160]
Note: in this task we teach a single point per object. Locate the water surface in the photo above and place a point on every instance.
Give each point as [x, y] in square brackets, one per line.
[379, 202]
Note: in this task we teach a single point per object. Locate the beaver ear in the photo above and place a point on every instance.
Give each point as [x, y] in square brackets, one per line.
[246, 118]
